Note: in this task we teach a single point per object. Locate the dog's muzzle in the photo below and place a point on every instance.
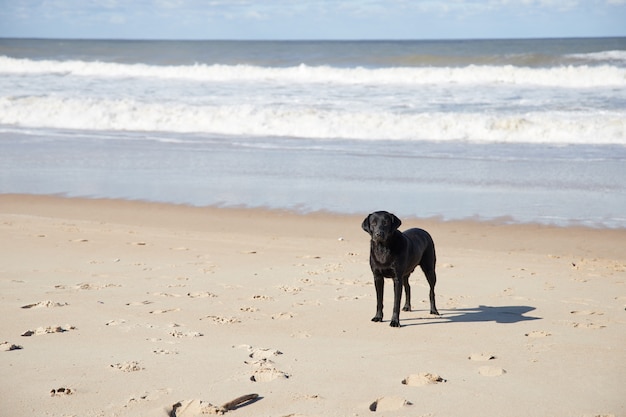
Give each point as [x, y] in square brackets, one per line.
[379, 237]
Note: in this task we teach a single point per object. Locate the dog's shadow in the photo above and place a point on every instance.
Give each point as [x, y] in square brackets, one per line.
[503, 314]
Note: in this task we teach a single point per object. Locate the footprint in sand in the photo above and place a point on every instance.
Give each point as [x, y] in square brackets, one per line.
[47, 330]
[310, 257]
[180, 335]
[262, 298]
[46, 304]
[289, 289]
[355, 282]
[208, 269]
[307, 303]
[88, 286]
[282, 316]
[586, 313]
[132, 366]
[260, 353]
[222, 320]
[165, 294]
[588, 326]
[422, 379]
[192, 408]
[350, 298]
[7, 347]
[59, 392]
[115, 322]
[139, 303]
[165, 352]
[268, 373]
[164, 311]
[265, 370]
[491, 371]
[201, 294]
[389, 404]
[148, 396]
[538, 333]
[481, 357]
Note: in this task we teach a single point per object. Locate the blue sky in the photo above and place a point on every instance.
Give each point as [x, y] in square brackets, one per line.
[311, 19]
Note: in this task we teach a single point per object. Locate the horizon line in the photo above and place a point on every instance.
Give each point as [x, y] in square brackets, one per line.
[37, 38]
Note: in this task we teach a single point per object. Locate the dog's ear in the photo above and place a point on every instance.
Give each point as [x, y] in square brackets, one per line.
[396, 221]
[366, 225]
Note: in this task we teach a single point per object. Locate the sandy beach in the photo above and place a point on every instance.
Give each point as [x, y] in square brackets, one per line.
[125, 308]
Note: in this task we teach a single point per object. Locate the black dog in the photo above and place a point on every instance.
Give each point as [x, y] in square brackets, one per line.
[394, 254]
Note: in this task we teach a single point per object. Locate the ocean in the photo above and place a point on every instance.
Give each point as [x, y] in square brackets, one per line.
[521, 131]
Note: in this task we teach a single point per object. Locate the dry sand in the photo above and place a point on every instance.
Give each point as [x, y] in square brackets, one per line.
[126, 308]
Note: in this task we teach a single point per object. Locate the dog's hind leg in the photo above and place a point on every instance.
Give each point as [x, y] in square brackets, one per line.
[429, 260]
[407, 293]
[431, 276]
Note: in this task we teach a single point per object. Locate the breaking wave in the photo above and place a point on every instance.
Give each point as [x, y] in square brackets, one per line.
[569, 76]
[288, 121]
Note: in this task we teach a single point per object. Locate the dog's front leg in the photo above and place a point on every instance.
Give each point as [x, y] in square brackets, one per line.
[379, 283]
[397, 298]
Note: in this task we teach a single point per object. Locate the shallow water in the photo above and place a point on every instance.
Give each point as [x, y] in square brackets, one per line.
[558, 185]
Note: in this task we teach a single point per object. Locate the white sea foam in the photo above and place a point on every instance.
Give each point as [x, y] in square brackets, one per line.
[616, 56]
[289, 121]
[562, 76]
[482, 103]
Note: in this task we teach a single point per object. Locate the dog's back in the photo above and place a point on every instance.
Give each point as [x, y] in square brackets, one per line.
[421, 236]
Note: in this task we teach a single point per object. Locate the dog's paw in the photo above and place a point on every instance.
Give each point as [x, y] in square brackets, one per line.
[435, 313]
[395, 323]
[406, 308]
[377, 319]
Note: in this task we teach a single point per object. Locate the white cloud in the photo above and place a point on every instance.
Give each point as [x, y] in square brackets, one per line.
[309, 18]
[117, 19]
[255, 10]
[169, 4]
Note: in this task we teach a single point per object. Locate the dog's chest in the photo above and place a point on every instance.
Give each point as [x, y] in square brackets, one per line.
[381, 255]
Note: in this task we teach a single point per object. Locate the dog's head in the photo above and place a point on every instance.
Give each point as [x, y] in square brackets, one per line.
[381, 225]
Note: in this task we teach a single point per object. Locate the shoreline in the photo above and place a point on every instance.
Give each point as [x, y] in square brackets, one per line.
[120, 210]
[136, 306]
[26, 199]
